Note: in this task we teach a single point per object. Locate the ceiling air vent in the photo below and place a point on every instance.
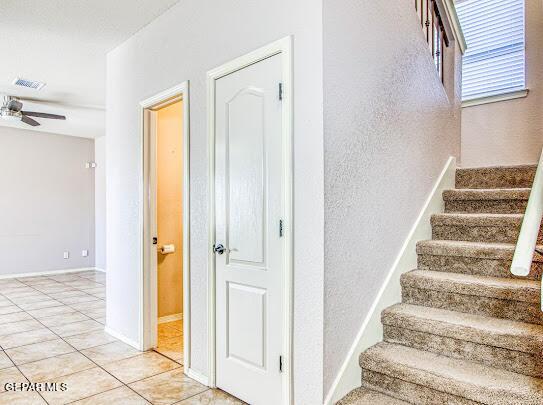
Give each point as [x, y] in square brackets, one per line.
[31, 84]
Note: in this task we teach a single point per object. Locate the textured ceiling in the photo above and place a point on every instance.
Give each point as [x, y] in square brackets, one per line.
[64, 43]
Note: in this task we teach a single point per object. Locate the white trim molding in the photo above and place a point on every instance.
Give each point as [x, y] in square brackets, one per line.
[283, 47]
[148, 280]
[170, 318]
[453, 26]
[195, 375]
[371, 331]
[495, 98]
[122, 338]
[47, 272]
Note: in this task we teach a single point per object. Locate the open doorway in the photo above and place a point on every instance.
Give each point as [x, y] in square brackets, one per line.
[165, 312]
[169, 220]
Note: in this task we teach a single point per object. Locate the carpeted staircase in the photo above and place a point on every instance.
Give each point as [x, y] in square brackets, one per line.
[466, 332]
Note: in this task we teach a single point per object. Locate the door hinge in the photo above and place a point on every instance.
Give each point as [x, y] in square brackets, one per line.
[280, 228]
[280, 364]
[280, 91]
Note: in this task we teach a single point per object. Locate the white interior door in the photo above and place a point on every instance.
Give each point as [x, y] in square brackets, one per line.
[248, 198]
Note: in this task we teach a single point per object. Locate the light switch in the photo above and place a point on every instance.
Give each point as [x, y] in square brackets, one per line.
[84, 253]
[66, 255]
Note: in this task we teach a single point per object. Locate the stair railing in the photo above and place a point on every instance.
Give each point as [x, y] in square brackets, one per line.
[529, 231]
[434, 30]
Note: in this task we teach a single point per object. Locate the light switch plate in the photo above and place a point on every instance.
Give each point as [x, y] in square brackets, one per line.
[84, 253]
[66, 255]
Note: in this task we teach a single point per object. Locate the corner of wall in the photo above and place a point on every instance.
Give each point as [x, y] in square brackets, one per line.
[371, 331]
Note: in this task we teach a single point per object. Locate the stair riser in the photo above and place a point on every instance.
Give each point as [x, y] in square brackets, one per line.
[494, 307]
[486, 206]
[408, 391]
[513, 177]
[474, 266]
[511, 360]
[488, 234]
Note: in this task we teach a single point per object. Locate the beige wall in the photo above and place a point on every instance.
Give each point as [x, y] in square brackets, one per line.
[170, 208]
[510, 132]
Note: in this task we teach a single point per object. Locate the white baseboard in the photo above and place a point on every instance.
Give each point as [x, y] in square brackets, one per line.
[195, 375]
[47, 272]
[170, 318]
[99, 269]
[122, 338]
[371, 331]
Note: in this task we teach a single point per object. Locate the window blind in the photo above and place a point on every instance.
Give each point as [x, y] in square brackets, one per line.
[494, 62]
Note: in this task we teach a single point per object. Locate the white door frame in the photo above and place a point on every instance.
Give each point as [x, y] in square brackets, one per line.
[148, 281]
[283, 47]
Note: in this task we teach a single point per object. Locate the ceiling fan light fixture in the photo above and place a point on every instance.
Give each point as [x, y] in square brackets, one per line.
[8, 115]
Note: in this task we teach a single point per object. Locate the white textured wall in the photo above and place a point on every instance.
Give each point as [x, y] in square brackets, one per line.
[389, 128]
[47, 201]
[510, 132]
[191, 38]
[100, 202]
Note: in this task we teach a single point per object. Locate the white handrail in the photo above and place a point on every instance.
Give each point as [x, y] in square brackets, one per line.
[527, 240]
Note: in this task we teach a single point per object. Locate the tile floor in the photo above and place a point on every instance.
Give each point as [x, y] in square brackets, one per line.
[170, 340]
[51, 331]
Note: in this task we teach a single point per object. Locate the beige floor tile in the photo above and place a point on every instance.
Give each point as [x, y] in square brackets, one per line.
[10, 375]
[38, 351]
[21, 398]
[167, 388]
[212, 397]
[86, 306]
[110, 352]
[101, 295]
[20, 326]
[4, 302]
[5, 362]
[101, 320]
[95, 290]
[121, 396]
[30, 299]
[90, 339]
[9, 309]
[140, 367]
[26, 338]
[78, 299]
[82, 385]
[68, 294]
[14, 317]
[52, 368]
[95, 313]
[40, 304]
[53, 289]
[64, 319]
[76, 328]
[47, 312]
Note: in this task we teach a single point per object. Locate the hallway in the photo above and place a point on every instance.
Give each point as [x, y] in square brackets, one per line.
[51, 330]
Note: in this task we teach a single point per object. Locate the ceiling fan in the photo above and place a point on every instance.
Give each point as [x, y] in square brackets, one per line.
[12, 110]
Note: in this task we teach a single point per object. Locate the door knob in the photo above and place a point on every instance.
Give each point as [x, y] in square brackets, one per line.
[219, 249]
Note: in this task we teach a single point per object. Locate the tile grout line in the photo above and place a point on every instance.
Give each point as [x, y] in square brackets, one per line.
[17, 366]
[91, 360]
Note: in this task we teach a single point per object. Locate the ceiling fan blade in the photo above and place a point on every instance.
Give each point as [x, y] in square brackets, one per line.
[29, 121]
[44, 115]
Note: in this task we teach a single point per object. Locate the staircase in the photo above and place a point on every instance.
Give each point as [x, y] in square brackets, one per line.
[466, 332]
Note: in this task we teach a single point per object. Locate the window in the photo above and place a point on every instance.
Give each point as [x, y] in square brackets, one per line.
[494, 62]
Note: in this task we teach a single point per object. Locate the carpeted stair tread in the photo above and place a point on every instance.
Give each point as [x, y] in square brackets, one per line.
[496, 177]
[504, 333]
[467, 284]
[461, 378]
[477, 219]
[470, 249]
[365, 396]
[486, 194]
